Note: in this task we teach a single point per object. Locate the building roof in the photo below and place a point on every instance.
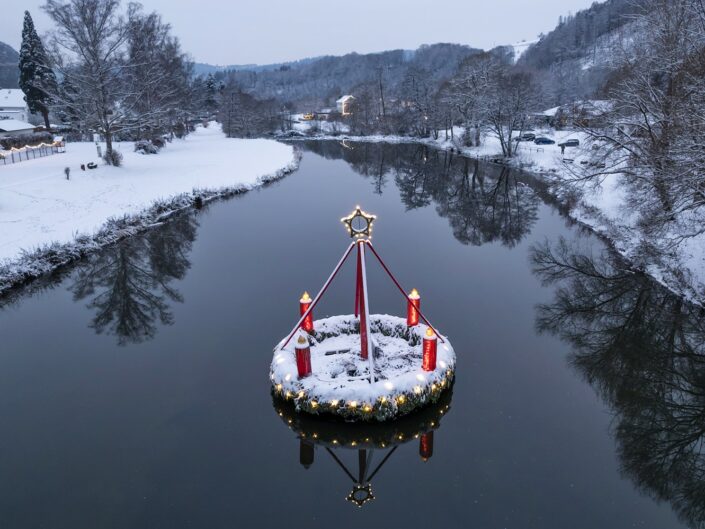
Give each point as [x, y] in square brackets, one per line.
[344, 98]
[12, 125]
[12, 97]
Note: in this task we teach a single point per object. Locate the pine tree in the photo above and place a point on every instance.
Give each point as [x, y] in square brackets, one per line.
[37, 79]
[211, 101]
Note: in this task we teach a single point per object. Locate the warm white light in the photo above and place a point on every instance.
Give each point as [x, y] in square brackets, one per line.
[389, 385]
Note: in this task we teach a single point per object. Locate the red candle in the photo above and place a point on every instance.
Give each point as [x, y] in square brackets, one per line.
[430, 344]
[414, 303]
[303, 357]
[304, 304]
[426, 446]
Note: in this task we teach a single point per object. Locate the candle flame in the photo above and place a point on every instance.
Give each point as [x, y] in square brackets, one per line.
[414, 293]
[430, 333]
[306, 298]
[302, 340]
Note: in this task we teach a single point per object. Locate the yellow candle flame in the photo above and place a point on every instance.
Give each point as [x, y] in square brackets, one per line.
[305, 298]
[430, 333]
[414, 293]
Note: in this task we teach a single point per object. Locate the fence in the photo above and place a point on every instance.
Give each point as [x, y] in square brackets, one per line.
[31, 153]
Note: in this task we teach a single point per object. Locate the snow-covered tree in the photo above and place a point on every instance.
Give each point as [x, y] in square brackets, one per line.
[37, 79]
[89, 53]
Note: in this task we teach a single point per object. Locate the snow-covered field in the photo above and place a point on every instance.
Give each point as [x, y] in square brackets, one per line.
[47, 221]
[39, 206]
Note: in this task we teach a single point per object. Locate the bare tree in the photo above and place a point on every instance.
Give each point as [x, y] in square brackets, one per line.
[89, 56]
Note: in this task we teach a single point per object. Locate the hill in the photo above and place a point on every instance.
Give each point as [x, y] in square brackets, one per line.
[578, 55]
[9, 71]
[324, 79]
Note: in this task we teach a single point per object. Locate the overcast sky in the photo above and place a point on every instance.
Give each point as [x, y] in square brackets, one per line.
[268, 31]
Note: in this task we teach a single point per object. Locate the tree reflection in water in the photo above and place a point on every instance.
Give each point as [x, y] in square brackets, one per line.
[128, 284]
[643, 349]
[484, 203]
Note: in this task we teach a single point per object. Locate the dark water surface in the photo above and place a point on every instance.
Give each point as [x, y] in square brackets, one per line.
[134, 389]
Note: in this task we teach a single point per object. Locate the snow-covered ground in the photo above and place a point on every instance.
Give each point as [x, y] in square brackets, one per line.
[39, 208]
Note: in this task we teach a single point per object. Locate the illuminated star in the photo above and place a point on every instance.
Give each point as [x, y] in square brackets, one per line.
[359, 223]
[360, 494]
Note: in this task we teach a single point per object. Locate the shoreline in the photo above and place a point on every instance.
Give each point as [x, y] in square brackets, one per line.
[669, 277]
[32, 265]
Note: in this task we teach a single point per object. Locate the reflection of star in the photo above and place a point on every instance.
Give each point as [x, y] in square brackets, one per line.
[367, 218]
[360, 495]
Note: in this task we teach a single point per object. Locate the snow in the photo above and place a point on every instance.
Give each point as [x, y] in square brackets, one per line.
[12, 125]
[340, 375]
[12, 98]
[38, 206]
[521, 47]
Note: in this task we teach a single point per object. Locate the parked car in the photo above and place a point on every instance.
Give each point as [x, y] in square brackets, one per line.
[527, 136]
[544, 141]
[570, 143]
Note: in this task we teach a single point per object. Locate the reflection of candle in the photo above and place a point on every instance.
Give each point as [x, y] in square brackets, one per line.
[426, 446]
[306, 453]
[430, 343]
[304, 304]
[414, 303]
[303, 357]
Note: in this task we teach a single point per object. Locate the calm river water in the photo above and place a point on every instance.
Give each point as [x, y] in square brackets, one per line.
[134, 386]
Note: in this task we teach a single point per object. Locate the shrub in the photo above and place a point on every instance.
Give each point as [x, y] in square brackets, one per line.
[145, 147]
[179, 130]
[113, 157]
[158, 142]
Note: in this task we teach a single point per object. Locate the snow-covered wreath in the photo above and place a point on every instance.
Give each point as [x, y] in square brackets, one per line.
[340, 381]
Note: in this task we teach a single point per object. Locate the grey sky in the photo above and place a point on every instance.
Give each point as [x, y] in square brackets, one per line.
[266, 31]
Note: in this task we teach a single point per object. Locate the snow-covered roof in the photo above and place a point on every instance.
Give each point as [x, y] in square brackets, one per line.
[12, 98]
[344, 98]
[551, 112]
[12, 125]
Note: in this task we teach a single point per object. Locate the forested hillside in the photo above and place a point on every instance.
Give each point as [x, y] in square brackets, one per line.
[9, 72]
[578, 56]
[324, 79]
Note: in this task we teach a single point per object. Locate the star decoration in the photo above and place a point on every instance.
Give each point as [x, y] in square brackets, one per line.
[360, 494]
[359, 223]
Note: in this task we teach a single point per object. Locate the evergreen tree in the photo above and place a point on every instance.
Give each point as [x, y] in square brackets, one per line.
[37, 79]
[211, 102]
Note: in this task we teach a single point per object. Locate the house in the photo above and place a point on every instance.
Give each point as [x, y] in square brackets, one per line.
[13, 105]
[15, 127]
[344, 105]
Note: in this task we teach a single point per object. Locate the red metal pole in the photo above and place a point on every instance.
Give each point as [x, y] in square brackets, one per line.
[318, 296]
[358, 283]
[403, 292]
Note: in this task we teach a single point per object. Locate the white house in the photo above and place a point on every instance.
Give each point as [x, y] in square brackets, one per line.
[13, 105]
[344, 104]
[13, 127]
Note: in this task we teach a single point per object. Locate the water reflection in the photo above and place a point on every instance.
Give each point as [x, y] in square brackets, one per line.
[128, 285]
[372, 444]
[643, 349]
[484, 203]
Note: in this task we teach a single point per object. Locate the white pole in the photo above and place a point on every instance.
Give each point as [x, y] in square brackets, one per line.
[370, 350]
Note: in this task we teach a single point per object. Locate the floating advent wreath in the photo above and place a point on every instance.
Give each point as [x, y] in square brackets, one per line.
[362, 366]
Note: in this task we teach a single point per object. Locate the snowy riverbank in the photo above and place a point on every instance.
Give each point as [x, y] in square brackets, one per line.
[47, 221]
[601, 207]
